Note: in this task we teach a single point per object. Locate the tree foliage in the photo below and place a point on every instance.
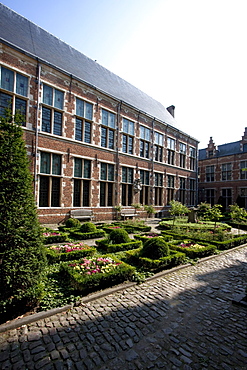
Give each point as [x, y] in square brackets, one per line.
[177, 209]
[21, 247]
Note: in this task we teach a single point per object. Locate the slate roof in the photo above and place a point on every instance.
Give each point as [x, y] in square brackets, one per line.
[222, 150]
[35, 41]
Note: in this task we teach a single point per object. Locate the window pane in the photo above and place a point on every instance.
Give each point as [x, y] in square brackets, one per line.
[77, 193]
[110, 172]
[102, 193]
[77, 167]
[87, 168]
[103, 137]
[111, 120]
[130, 145]
[89, 111]
[57, 129]
[44, 191]
[103, 171]
[125, 125]
[131, 128]
[56, 164]
[130, 175]
[124, 143]
[78, 129]
[87, 132]
[79, 107]
[5, 103]
[110, 194]
[45, 162]
[21, 84]
[47, 95]
[58, 103]
[111, 139]
[20, 107]
[147, 134]
[86, 193]
[104, 117]
[124, 174]
[55, 192]
[142, 134]
[7, 79]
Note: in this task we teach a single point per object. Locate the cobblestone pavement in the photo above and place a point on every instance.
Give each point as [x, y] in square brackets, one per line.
[185, 319]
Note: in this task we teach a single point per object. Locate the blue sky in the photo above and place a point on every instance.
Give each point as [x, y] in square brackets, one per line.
[191, 54]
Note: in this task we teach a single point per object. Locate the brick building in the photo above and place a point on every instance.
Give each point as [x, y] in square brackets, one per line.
[90, 135]
[223, 173]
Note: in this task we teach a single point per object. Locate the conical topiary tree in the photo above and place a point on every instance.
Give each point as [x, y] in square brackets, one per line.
[22, 258]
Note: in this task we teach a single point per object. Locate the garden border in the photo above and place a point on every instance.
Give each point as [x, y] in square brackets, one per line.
[17, 323]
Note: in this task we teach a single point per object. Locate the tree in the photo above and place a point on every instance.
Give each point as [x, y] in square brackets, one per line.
[22, 258]
[214, 214]
[177, 209]
[203, 209]
[238, 214]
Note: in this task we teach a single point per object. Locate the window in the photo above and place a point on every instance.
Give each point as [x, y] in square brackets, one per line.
[170, 188]
[170, 151]
[158, 189]
[243, 170]
[50, 179]
[192, 158]
[209, 173]
[107, 129]
[145, 134]
[226, 198]
[52, 118]
[182, 190]
[158, 146]
[16, 86]
[84, 113]
[210, 196]
[106, 184]
[82, 175]
[128, 136]
[145, 191]
[127, 186]
[226, 171]
[192, 192]
[242, 198]
[182, 155]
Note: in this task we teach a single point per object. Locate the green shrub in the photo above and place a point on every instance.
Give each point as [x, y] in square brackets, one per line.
[112, 273]
[113, 248]
[88, 227]
[155, 248]
[119, 236]
[22, 253]
[175, 258]
[72, 223]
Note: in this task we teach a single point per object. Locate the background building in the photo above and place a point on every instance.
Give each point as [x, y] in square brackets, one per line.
[223, 173]
[89, 134]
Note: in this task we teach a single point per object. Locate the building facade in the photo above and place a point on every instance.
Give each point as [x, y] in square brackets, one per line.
[92, 137]
[223, 173]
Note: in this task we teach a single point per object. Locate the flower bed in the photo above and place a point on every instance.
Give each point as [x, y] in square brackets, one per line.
[194, 250]
[69, 251]
[51, 236]
[90, 274]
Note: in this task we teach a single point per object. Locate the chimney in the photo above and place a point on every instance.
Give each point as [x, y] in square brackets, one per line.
[171, 110]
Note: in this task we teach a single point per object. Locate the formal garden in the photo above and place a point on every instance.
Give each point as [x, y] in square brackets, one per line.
[43, 268]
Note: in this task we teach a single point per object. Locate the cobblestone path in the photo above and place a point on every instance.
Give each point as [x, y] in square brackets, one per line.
[183, 320]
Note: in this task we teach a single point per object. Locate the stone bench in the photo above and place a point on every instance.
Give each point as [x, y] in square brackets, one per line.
[82, 214]
[128, 213]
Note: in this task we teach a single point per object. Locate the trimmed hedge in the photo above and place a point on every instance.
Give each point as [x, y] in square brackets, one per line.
[155, 248]
[59, 238]
[89, 283]
[197, 226]
[221, 245]
[54, 257]
[78, 235]
[175, 258]
[193, 253]
[113, 248]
